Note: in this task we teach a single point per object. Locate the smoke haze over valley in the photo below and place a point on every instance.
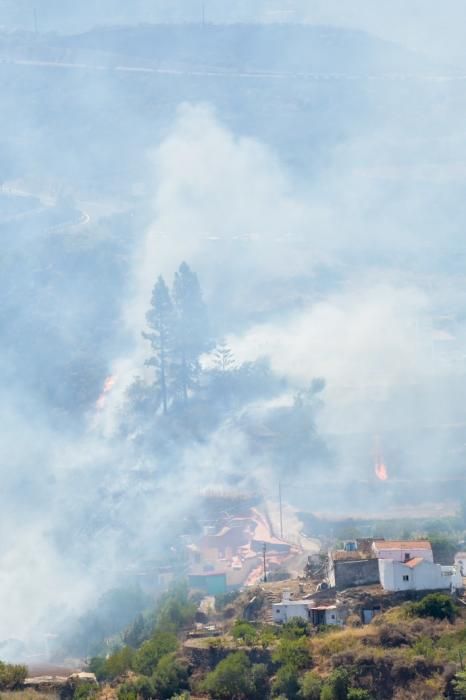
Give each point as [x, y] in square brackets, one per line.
[308, 167]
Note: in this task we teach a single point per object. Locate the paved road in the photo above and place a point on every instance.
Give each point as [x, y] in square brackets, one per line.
[244, 74]
[47, 201]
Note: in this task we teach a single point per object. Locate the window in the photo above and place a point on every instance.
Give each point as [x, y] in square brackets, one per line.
[278, 610]
[406, 577]
[407, 556]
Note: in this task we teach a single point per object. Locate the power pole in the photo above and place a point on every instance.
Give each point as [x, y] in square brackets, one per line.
[264, 550]
[281, 508]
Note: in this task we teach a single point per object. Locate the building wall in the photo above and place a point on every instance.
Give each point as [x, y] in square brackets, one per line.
[461, 562]
[213, 584]
[282, 612]
[331, 571]
[331, 617]
[395, 576]
[400, 554]
[363, 572]
[426, 576]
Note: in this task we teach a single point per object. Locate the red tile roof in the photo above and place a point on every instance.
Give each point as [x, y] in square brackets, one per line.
[415, 561]
[402, 544]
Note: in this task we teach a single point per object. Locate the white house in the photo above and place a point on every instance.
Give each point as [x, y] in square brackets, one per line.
[403, 550]
[460, 561]
[306, 610]
[287, 609]
[418, 574]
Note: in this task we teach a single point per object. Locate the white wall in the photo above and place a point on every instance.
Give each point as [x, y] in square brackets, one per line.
[387, 574]
[461, 562]
[331, 570]
[284, 611]
[331, 617]
[399, 554]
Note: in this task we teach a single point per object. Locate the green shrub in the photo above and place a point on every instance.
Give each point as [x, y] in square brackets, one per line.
[293, 653]
[424, 646]
[244, 632]
[326, 692]
[127, 691]
[336, 687]
[143, 687]
[117, 663]
[310, 686]
[459, 685]
[266, 638]
[176, 610]
[149, 654]
[85, 691]
[259, 682]
[97, 666]
[293, 629]
[235, 678]
[137, 689]
[286, 683]
[437, 605]
[359, 694]
[170, 677]
[137, 632]
[12, 676]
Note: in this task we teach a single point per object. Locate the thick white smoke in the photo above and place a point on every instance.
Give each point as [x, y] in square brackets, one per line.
[330, 274]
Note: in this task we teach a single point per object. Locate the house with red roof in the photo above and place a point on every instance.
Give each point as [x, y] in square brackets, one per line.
[409, 566]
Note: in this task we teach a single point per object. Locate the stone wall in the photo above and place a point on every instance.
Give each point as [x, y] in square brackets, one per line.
[208, 657]
[363, 572]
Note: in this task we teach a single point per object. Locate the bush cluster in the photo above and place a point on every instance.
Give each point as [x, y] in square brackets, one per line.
[12, 676]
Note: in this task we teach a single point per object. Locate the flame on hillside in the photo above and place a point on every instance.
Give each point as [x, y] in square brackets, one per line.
[381, 471]
[108, 386]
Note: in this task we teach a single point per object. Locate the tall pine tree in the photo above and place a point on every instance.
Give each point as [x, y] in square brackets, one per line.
[223, 357]
[224, 367]
[191, 336]
[161, 322]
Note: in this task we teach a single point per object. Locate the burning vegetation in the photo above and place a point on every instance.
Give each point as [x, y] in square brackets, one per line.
[107, 388]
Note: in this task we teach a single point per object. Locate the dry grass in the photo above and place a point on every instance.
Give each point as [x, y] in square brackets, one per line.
[324, 645]
[26, 695]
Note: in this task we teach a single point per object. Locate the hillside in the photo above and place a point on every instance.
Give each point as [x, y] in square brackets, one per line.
[411, 650]
[318, 89]
[305, 49]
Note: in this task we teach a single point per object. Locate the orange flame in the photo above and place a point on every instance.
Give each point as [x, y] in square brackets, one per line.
[381, 471]
[109, 383]
[108, 386]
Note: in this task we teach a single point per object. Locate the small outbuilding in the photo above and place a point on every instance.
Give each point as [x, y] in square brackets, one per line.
[288, 609]
[306, 610]
[324, 615]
